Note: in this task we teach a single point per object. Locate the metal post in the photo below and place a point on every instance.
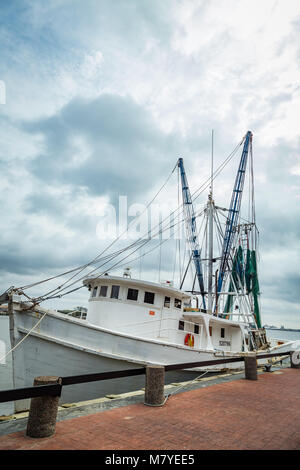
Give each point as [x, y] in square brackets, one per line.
[43, 411]
[154, 389]
[250, 366]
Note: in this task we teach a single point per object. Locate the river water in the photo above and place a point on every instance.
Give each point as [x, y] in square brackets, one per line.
[282, 334]
[6, 381]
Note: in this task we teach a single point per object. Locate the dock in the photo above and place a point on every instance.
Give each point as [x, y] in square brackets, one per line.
[228, 414]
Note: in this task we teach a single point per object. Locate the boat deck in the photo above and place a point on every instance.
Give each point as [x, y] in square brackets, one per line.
[238, 415]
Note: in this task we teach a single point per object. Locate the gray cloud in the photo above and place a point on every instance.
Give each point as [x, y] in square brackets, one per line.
[124, 147]
[167, 73]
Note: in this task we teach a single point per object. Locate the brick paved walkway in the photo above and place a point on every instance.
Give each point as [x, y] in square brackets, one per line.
[242, 414]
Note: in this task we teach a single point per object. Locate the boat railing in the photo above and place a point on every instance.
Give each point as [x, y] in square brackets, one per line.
[160, 320]
[189, 327]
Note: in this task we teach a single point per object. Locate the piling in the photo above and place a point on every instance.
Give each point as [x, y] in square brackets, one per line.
[250, 367]
[155, 382]
[43, 410]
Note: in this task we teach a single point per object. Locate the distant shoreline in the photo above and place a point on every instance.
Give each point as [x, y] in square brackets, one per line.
[282, 329]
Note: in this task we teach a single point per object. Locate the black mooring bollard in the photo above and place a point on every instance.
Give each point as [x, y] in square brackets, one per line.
[250, 367]
[43, 410]
[295, 359]
[155, 382]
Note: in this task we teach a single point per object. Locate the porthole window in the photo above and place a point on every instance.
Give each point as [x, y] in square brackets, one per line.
[177, 303]
[149, 297]
[132, 294]
[181, 325]
[222, 332]
[167, 302]
[196, 329]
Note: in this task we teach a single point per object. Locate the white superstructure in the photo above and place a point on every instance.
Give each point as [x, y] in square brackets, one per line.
[161, 312]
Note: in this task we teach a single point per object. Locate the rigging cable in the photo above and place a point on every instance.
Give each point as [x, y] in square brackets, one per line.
[81, 268]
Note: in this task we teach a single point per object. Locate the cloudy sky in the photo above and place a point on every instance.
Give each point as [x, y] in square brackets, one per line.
[99, 98]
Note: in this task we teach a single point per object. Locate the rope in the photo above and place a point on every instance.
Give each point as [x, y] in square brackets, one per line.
[18, 344]
[183, 385]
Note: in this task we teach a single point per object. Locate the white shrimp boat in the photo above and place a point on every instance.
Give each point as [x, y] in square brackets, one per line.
[132, 322]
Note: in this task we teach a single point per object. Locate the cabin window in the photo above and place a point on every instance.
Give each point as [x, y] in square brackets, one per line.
[181, 325]
[149, 297]
[167, 302]
[94, 293]
[210, 331]
[132, 294]
[196, 329]
[114, 292]
[103, 291]
[177, 303]
[222, 332]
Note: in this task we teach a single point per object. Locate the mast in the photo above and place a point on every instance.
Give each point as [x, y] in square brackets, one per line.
[210, 210]
[234, 210]
[191, 228]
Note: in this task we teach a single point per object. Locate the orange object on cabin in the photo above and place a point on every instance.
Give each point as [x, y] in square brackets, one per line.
[189, 340]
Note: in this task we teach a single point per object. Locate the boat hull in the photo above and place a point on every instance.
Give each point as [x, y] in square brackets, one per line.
[63, 346]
